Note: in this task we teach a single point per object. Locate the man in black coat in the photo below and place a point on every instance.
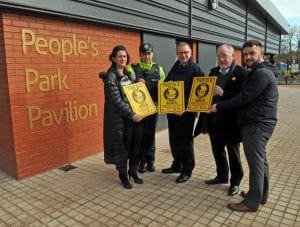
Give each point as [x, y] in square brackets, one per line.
[222, 127]
[181, 125]
[257, 117]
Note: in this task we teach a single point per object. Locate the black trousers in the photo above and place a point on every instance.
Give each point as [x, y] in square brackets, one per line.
[181, 141]
[255, 139]
[148, 146]
[235, 165]
[132, 142]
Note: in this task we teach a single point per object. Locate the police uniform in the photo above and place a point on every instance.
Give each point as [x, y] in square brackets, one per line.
[151, 73]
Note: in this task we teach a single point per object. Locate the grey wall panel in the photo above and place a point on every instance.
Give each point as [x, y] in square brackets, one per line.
[190, 19]
[164, 49]
[207, 56]
[256, 27]
[272, 13]
[226, 25]
[168, 17]
[273, 40]
[217, 38]
[164, 55]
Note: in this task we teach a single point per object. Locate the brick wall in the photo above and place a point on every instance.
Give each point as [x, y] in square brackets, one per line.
[51, 89]
[7, 154]
[238, 56]
[195, 51]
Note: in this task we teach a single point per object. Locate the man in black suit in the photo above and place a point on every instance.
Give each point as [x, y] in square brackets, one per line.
[222, 127]
[181, 125]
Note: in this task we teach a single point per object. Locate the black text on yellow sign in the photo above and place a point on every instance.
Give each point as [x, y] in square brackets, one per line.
[201, 94]
[140, 99]
[171, 97]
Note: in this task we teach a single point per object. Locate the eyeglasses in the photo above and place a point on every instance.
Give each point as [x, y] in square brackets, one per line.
[183, 52]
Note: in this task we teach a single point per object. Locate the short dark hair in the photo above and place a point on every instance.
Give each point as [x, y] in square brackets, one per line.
[251, 43]
[115, 52]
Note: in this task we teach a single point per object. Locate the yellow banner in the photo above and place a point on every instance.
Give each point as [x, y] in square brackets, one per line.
[140, 99]
[201, 94]
[171, 97]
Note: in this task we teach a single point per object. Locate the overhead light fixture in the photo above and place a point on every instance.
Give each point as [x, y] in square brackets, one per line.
[213, 4]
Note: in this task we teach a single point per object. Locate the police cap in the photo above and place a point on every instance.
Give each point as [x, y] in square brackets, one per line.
[146, 47]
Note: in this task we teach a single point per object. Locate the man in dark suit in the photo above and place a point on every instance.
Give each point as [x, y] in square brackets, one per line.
[222, 127]
[181, 125]
[257, 117]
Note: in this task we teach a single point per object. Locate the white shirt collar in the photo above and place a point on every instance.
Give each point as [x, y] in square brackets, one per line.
[224, 71]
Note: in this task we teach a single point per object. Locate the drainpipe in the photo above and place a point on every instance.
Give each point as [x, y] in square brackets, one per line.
[190, 19]
[246, 22]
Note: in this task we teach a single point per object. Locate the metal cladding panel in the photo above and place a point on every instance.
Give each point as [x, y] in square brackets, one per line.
[273, 40]
[227, 24]
[189, 19]
[269, 10]
[256, 27]
[207, 56]
[164, 55]
[164, 50]
[169, 17]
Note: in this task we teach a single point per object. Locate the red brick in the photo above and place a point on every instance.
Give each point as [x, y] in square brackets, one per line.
[45, 148]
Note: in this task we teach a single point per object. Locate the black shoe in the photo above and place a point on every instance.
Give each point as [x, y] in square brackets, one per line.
[170, 170]
[182, 178]
[124, 181]
[216, 181]
[141, 168]
[150, 166]
[233, 190]
[135, 177]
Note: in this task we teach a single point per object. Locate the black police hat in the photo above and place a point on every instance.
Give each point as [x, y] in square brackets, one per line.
[146, 47]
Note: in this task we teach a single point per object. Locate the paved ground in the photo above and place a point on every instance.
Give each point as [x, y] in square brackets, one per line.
[91, 194]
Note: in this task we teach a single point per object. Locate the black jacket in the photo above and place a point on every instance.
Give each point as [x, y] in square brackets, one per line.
[223, 125]
[257, 101]
[116, 111]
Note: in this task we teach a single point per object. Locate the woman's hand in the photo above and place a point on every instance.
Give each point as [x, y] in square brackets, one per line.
[178, 113]
[141, 80]
[137, 118]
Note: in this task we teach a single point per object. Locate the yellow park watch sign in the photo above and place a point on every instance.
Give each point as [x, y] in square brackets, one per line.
[201, 94]
[171, 97]
[140, 99]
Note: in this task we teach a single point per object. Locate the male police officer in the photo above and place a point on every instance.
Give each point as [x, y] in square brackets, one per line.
[151, 73]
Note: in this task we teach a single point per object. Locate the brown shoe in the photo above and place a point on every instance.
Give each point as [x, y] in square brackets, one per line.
[244, 195]
[240, 207]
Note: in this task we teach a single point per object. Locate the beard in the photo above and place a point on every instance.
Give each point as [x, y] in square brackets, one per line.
[252, 66]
